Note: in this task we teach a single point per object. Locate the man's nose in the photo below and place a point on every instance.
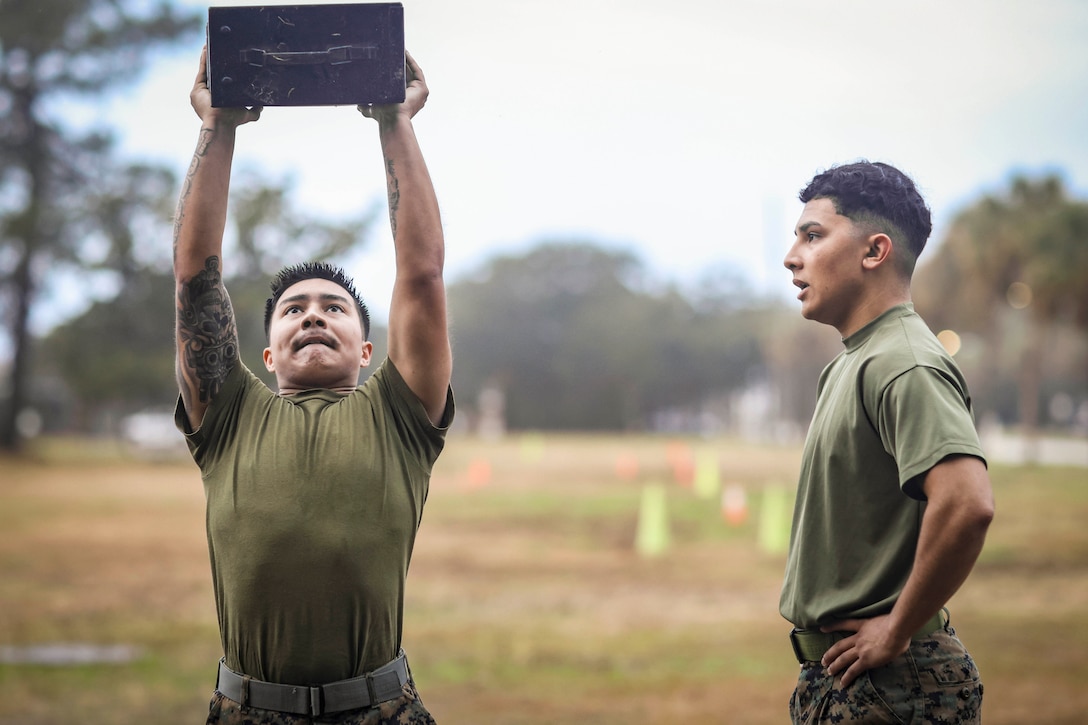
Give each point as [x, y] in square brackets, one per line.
[790, 261]
[312, 320]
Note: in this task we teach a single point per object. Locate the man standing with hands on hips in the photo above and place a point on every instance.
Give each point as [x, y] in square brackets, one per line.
[315, 492]
[894, 498]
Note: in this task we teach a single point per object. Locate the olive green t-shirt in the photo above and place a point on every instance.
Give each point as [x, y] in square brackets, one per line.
[313, 502]
[890, 406]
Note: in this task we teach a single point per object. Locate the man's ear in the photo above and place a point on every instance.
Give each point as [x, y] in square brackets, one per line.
[268, 364]
[878, 251]
[368, 350]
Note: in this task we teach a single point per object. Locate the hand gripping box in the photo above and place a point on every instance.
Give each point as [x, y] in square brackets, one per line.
[306, 55]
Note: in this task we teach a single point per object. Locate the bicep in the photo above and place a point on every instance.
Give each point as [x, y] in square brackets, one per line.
[207, 338]
[960, 482]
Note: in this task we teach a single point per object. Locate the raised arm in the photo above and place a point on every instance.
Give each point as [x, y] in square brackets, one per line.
[418, 336]
[207, 336]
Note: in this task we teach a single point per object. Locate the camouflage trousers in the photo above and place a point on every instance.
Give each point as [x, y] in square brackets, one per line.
[405, 710]
[934, 682]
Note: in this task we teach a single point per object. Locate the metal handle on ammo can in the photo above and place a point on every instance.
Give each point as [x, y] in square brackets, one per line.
[333, 56]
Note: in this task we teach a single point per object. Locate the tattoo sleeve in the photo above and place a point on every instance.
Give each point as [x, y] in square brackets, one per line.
[207, 332]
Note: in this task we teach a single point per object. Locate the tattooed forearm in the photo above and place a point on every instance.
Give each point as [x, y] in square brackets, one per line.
[207, 332]
[206, 135]
[186, 187]
[393, 186]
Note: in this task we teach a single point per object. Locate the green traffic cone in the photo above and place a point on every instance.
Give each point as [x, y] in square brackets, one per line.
[652, 538]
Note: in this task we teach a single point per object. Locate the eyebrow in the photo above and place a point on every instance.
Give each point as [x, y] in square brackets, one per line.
[806, 226]
[328, 297]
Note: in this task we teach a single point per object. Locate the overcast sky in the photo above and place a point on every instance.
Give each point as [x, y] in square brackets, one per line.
[681, 130]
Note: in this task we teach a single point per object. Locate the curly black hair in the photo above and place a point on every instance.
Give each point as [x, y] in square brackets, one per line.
[296, 273]
[876, 194]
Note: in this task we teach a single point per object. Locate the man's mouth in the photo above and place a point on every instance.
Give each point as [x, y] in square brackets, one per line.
[314, 340]
[801, 286]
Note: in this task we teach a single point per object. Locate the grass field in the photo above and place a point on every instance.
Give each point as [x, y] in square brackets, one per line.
[528, 602]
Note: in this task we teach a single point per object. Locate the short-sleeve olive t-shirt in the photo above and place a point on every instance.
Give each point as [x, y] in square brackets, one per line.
[890, 406]
[313, 503]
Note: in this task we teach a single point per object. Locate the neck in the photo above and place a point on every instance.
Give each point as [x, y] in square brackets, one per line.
[871, 308]
[341, 390]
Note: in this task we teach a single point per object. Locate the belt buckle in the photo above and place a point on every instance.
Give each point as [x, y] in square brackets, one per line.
[796, 648]
[316, 701]
[370, 691]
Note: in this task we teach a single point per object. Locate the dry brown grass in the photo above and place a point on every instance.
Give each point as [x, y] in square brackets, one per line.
[527, 601]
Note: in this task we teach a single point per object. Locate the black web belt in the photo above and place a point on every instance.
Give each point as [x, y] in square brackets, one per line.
[809, 645]
[382, 684]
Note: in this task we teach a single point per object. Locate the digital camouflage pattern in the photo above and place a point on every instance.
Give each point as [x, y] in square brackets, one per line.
[405, 710]
[935, 682]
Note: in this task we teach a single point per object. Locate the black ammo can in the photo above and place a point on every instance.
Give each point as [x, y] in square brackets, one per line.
[306, 55]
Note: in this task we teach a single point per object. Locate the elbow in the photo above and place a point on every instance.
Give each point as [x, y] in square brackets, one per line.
[423, 278]
[986, 514]
[980, 515]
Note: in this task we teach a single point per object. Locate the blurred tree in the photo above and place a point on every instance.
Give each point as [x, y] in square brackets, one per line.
[125, 216]
[118, 356]
[573, 339]
[271, 232]
[797, 351]
[1011, 270]
[50, 53]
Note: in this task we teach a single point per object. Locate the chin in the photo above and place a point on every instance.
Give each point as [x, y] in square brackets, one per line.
[814, 315]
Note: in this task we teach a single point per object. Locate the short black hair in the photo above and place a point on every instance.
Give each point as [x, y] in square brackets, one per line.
[879, 194]
[296, 273]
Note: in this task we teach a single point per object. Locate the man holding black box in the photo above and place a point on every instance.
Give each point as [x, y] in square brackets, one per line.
[314, 493]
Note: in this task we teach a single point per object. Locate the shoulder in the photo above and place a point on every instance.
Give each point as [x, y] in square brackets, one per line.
[240, 392]
[388, 384]
[906, 362]
[901, 353]
[901, 342]
[243, 399]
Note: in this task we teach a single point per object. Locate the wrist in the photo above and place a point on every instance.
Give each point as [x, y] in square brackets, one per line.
[395, 121]
[219, 118]
[897, 632]
[212, 130]
[902, 625]
[227, 119]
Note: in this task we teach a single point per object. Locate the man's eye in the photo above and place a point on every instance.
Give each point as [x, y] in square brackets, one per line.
[812, 236]
[336, 308]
